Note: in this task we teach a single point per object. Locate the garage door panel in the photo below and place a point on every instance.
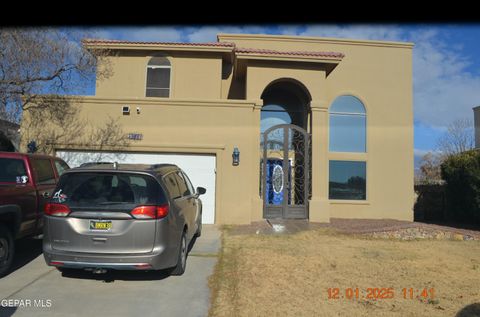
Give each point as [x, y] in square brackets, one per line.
[199, 168]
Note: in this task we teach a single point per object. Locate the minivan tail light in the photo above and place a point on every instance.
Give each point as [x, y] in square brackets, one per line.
[144, 212]
[57, 210]
[162, 211]
[150, 212]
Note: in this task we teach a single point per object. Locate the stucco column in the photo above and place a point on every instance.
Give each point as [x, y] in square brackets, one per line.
[319, 208]
[257, 203]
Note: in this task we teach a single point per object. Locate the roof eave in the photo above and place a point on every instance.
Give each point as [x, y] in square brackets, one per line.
[232, 37]
[274, 57]
[157, 47]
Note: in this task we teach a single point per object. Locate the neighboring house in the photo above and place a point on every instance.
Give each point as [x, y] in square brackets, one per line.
[272, 126]
[476, 119]
[9, 136]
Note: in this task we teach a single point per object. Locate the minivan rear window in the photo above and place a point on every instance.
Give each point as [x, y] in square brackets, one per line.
[12, 171]
[98, 189]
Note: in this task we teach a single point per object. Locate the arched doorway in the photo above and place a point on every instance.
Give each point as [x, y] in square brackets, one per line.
[285, 142]
[6, 144]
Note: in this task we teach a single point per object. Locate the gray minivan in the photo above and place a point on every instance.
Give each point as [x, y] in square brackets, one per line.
[122, 216]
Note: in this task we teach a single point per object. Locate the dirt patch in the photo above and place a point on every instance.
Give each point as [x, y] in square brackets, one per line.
[294, 274]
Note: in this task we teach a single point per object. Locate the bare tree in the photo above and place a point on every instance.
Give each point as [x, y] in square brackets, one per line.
[430, 171]
[44, 60]
[62, 126]
[38, 67]
[458, 138]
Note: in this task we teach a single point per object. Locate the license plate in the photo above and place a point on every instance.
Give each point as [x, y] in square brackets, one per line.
[103, 225]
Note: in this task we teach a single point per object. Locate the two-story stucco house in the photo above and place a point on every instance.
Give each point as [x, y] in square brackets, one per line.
[272, 126]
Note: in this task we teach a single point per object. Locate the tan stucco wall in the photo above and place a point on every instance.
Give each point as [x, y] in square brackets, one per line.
[192, 75]
[379, 74]
[260, 74]
[199, 119]
[190, 126]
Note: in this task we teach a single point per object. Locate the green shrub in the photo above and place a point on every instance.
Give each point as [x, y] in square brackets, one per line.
[462, 175]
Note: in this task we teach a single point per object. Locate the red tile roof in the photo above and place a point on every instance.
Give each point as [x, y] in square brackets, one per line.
[293, 53]
[215, 44]
[225, 44]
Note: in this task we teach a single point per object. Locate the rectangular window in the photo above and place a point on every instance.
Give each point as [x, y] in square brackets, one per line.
[12, 170]
[347, 133]
[182, 185]
[347, 180]
[158, 81]
[191, 189]
[172, 186]
[43, 171]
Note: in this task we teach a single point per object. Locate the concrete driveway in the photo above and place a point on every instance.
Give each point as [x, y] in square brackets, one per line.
[34, 288]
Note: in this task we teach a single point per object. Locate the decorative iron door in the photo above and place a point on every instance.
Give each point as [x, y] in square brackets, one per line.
[285, 166]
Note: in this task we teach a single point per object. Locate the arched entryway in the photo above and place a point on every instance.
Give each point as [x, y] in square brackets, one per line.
[6, 144]
[285, 144]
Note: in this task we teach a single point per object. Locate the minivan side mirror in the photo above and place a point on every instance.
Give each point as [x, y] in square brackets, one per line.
[201, 191]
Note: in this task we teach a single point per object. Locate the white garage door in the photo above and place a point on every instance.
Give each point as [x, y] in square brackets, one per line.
[199, 168]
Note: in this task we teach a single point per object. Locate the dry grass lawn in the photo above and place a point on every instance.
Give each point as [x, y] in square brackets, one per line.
[289, 275]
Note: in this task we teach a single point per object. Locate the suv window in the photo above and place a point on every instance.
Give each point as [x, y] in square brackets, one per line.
[107, 189]
[171, 184]
[184, 191]
[43, 171]
[61, 167]
[12, 170]
[189, 183]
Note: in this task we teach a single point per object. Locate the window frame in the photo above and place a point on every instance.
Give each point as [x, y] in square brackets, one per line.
[349, 200]
[155, 67]
[351, 114]
[349, 156]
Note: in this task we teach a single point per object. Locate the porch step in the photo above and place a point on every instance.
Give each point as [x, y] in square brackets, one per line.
[288, 226]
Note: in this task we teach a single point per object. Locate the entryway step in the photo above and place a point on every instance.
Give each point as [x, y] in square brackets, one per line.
[288, 225]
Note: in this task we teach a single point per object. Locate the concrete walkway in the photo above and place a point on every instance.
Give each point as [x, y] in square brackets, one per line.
[40, 290]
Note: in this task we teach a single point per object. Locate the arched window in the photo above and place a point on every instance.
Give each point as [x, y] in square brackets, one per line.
[348, 133]
[158, 77]
[348, 125]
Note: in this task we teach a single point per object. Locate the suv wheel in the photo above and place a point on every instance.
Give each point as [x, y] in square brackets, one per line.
[7, 249]
[182, 256]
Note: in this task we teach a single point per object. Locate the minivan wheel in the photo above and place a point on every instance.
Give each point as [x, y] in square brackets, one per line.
[182, 256]
[7, 250]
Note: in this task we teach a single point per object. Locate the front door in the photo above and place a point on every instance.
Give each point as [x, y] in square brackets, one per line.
[286, 176]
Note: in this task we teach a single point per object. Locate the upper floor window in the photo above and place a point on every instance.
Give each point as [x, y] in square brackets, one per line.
[347, 125]
[158, 77]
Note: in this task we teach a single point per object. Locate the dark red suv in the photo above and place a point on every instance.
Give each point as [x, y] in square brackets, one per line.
[26, 183]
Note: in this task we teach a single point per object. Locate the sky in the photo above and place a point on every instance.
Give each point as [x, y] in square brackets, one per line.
[446, 62]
